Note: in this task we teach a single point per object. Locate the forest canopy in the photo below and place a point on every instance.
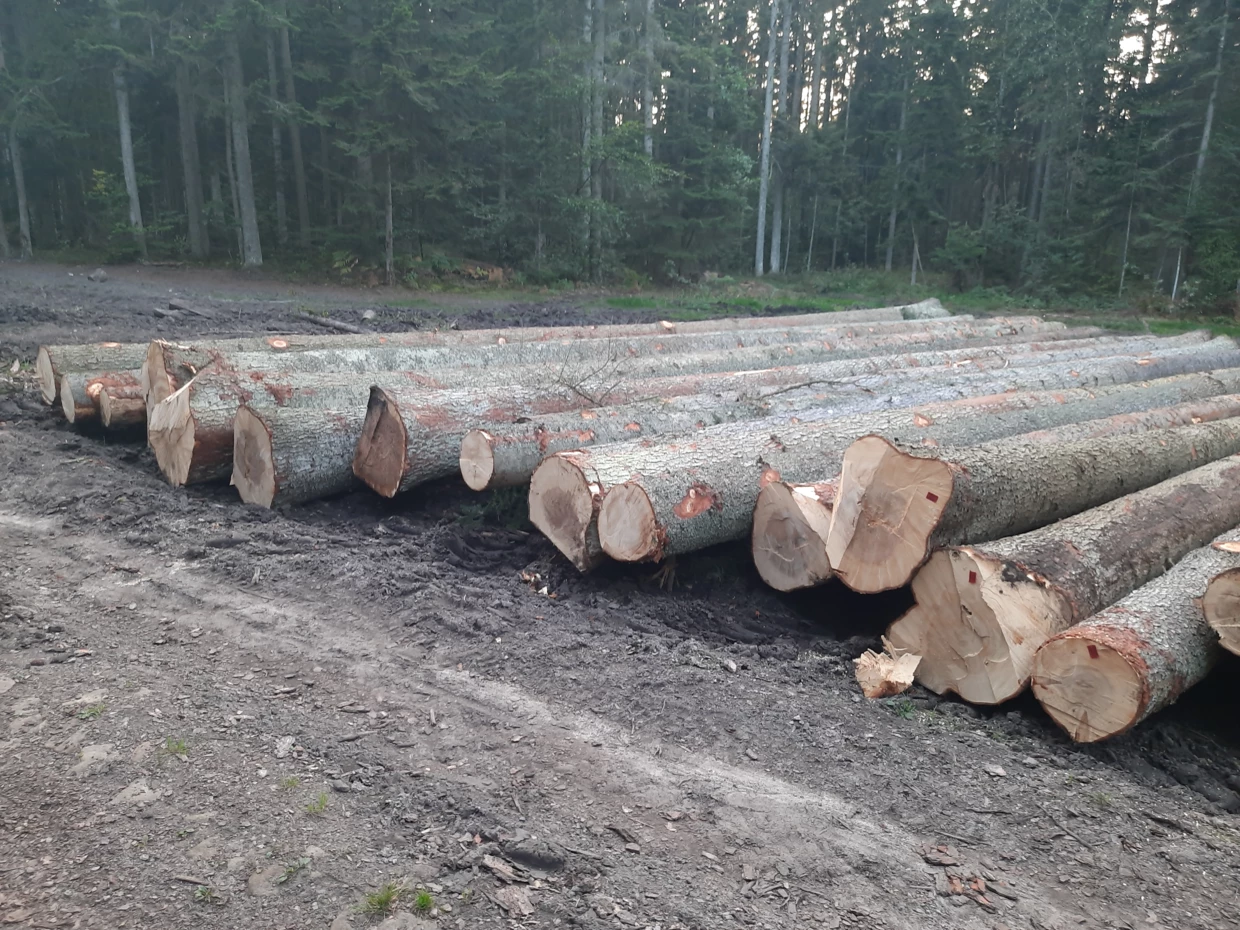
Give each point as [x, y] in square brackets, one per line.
[1050, 146]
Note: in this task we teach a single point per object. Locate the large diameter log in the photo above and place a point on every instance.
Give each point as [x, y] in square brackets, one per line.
[167, 365]
[81, 394]
[682, 496]
[790, 527]
[284, 456]
[983, 611]
[899, 501]
[52, 363]
[1103, 677]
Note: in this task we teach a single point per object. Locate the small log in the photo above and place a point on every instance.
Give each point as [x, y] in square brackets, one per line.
[286, 456]
[790, 526]
[1221, 602]
[81, 394]
[123, 411]
[693, 494]
[54, 362]
[900, 501]
[982, 612]
[1103, 677]
[564, 505]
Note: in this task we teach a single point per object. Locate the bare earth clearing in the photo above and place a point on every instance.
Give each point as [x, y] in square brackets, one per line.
[217, 716]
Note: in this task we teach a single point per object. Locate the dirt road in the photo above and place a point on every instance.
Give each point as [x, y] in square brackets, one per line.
[217, 716]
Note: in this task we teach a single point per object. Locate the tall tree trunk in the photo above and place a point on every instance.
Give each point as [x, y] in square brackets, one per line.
[815, 93]
[232, 175]
[1204, 148]
[587, 124]
[19, 182]
[813, 230]
[781, 129]
[596, 172]
[191, 165]
[1147, 41]
[648, 80]
[127, 164]
[325, 166]
[294, 135]
[764, 160]
[5, 252]
[252, 249]
[895, 184]
[388, 238]
[277, 143]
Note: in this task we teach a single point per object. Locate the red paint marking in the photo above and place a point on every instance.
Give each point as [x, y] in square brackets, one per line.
[932, 497]
[1093, 651]
[972, 577]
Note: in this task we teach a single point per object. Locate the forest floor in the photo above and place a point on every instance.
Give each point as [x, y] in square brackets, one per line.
[217, 716]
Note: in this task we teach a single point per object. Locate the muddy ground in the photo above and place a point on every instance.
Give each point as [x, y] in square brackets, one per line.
[217, 716]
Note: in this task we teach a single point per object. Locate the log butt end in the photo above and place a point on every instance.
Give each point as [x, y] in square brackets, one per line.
[975, 630]
[1088, 687]
[254, 471]
[382, 453]
[477, 459]
[888, 507]
[1221, 605]
[789, 550]
[121, 413]
[564, 507]
[156, 380]
[46, 374]
[171, 436]
[627, 526]
[68, 403]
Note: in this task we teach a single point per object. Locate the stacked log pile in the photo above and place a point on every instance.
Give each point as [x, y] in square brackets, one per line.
[1034, 485]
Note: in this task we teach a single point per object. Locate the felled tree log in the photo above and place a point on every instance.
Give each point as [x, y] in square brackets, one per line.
[1132, 659]
[123, 410]
[284, 456]
[682, 496]
[81, 394]
[54, 362]
[983, 611]
[790, 526]
[899, 501]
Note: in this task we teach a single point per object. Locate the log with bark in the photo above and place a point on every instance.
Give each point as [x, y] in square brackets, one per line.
[899, 501]
[983, 611]
[1103, 677]
[123, 410]
[289, 455]
[53, 362]
[82, 393]
[684, 495]
[1221, 602]
[790, 527]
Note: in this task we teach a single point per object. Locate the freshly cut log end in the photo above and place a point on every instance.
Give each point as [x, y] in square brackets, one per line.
[888, 507]
[564, 507]
[119, 412]
[477, 459]
[46, 375]
[1088, 687]
[1221, 605]
[977, 623]
[157, 382]
[790, 524]
[381, 459]
[171, 434]
[627, 526]
[73, 405]
[254, 470]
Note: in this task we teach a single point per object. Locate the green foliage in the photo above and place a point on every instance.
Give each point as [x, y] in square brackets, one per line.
[423, 902]
[381, 902]
[176, 746]
[318, 806]
[93, 712]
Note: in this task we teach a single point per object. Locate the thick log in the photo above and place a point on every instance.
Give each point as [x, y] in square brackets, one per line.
[167, 366]
[899, 501]
[1103, 677]
[284, 456]
[685, 495]
[54, 362]
[81, 394]
[1221, 602]
[790, 526]
[983, 611]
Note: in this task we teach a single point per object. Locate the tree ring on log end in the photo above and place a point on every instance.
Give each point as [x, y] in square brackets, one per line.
[67, 402]
[1221, 605]
[1087, 687]
[477, 459]
[382, 453]
[46, 375]
[254, 470]
[628, 529]
[562, 507]
[172, 431]
[788, 551]
[121, 412]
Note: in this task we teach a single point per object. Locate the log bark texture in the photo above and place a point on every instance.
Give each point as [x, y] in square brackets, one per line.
[898, 500]
[1104, 676]
[692, 494]
[81, 394]
[123, 410]
[53, 362]
[983, 611]
[289, 455]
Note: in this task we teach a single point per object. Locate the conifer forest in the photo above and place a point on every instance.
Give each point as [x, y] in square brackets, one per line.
[1045, 146]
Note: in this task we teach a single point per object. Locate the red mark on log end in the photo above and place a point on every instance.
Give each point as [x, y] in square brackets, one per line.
[699, 500]
[1093, 651]
[932, 497]
[972, 577]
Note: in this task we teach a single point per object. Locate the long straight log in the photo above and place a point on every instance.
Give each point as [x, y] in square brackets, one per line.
[898, 501]
[507, 456]
[1130, 660]
[53, 362]
[81, 394]
[679, 496]
[168, 366]
[284, 456]
[983, 611]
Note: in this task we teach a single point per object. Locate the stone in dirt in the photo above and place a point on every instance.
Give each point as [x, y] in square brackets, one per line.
[6, 684]
[98, 276]
[261, 884]
[95, 759]
[284, 745]
[138, 794]
[515, 900]
[404, 921]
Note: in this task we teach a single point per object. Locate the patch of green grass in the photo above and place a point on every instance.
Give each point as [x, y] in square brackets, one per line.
[290, 782]
[423, 902]
[94, 712]
[1101, 799]
[176, 746]
[204, 894]
[902, 707]
[318, 806]
[292, 869]
[632, 303]
[382, 901]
